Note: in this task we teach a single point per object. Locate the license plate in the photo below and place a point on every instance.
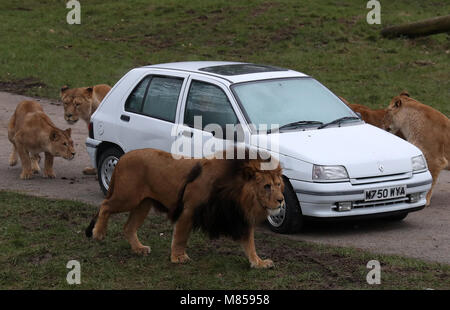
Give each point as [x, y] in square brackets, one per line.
[385, 193]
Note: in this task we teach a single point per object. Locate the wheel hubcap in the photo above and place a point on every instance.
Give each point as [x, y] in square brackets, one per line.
[277, 220]
[107, 169]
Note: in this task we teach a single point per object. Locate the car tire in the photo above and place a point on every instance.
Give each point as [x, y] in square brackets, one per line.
[106, 164]
[398, 217]
[290, 219]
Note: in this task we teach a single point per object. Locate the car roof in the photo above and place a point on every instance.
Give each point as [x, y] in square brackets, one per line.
[233, 72]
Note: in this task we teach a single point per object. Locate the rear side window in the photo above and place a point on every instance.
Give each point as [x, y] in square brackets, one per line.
[155, 96]
[209, 102]
[162, 98]
[134, 101]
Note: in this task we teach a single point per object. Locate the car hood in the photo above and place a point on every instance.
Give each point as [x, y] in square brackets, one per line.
[363, 149]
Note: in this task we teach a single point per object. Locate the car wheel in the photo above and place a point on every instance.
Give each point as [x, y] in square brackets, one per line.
[106, 164]
[290, 218]
[398, 217]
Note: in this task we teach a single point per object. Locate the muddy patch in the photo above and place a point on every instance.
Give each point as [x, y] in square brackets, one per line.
[21, 86]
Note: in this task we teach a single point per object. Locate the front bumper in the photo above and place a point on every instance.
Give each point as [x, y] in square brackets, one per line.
[92, 146]
[320, 200]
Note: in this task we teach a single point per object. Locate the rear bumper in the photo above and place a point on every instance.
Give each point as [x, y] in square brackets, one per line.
[319, 200]
[91, 147]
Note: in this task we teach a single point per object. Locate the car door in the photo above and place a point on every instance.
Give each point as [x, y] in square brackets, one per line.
[206, 113]
[150, 111]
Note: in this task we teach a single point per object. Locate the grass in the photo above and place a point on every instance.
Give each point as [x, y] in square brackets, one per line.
[39, 236]
[328, 39]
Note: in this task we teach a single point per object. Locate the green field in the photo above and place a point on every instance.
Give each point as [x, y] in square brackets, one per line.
[329, 40]
[39, 236]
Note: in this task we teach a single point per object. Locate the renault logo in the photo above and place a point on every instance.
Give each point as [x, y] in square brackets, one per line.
[381, 168]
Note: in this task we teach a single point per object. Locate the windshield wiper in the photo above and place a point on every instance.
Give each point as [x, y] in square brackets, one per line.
[339, 120]
[298, 124]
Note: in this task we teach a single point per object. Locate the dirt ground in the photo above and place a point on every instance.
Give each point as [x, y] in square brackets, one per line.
[424, 234]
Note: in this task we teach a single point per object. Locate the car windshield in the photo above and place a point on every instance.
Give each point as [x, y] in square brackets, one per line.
[289, 103]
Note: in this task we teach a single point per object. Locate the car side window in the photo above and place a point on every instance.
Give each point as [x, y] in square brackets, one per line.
[162, 98]
[211, 103]
[135, 99]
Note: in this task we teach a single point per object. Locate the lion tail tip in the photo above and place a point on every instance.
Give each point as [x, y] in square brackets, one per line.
[90, 228]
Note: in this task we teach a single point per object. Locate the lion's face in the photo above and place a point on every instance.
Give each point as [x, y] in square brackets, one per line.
[390, 122]
[270, 189]
[76, 102]
[267, 185]
[61, 144]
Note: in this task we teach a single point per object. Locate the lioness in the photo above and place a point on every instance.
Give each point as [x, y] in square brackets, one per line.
[31, 132]
[423, 126]
[219, 196]
[82, 103]
[372, 117]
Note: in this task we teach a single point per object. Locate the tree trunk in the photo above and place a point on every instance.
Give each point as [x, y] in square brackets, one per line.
[417, 29]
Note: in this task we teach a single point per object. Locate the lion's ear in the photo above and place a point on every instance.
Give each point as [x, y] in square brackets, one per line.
[68, 131]
[54, 135]
[248, 173]
[398, 103]
[89, 91]
[404, 93]
[64, 88]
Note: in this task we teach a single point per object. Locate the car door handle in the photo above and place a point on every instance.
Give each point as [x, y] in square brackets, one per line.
[187, 133]
[125, 118]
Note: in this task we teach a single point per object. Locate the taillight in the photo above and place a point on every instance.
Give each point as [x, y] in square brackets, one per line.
[91, 130]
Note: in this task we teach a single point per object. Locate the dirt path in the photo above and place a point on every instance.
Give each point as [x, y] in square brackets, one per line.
[424, 234]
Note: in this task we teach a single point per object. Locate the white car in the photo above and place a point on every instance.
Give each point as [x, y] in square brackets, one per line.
[335, 165]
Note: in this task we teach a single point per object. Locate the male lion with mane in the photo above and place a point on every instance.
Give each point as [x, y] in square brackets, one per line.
[423, 126]
[31, 132]
[222, 197]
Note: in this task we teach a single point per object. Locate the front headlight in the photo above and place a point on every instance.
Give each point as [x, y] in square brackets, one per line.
[328, 173]
[418, 163]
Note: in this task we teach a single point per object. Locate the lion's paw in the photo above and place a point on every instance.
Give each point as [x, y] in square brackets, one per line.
[90, 171]
[98, 235]
[143, 250]
[26, 175]
[49, 174]
[179, 259]
[12, 161]
[266, 263]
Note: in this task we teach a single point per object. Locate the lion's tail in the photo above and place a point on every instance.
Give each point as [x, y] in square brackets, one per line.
[193, 174]
[90, 228]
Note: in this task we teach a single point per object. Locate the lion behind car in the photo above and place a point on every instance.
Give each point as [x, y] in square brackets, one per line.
[373, 117]
[82, 102]
[32, 132]
[423, 126]
[222, 197]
